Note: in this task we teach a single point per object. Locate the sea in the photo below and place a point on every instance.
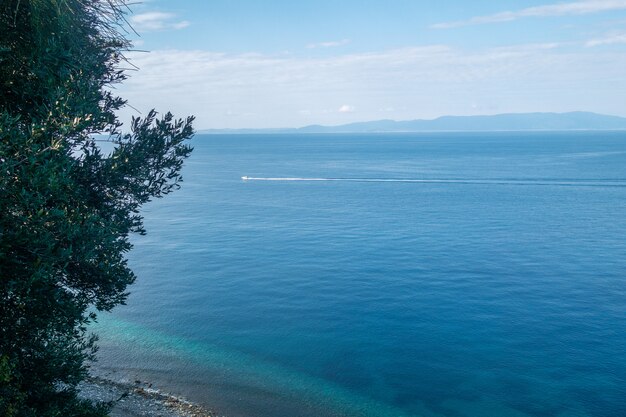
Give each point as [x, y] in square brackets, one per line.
[384, 275]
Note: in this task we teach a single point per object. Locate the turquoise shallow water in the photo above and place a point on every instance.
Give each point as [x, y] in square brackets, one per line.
[497, 289]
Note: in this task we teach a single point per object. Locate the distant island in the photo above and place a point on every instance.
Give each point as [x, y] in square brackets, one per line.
[500, 122]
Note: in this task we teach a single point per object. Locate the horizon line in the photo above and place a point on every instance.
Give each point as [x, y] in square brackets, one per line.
[298, 129]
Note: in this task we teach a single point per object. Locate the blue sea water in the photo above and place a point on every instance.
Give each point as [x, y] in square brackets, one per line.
[500, 292]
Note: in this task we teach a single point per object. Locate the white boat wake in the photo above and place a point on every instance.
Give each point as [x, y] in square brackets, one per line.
[545, 182]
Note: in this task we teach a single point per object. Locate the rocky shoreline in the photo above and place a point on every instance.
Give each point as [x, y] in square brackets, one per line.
[139, 399]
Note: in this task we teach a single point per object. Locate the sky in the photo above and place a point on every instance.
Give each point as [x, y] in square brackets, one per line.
[260, 64]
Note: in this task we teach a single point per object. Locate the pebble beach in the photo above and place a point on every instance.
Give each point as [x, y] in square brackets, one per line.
[139, 399]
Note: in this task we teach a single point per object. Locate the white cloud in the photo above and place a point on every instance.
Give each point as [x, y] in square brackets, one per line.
[153, 21]
[613, 39]
[418, 82]
[346, 108]
[181, 25]
[559, 9]
[328, 44]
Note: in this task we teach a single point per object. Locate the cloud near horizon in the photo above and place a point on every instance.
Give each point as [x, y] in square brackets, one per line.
[558, 9]
[329, 44]
[346, 108]
[612, 39]
[264, 90]
[154, 21]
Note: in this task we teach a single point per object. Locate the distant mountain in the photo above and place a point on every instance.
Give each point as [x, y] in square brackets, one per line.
[498, 122]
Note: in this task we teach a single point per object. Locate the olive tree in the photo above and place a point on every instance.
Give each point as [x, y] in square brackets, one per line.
[67, 209]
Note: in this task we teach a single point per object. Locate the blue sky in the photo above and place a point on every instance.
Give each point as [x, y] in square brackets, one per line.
[282, 63]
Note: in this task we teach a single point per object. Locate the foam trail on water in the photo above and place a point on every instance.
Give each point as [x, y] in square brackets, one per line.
[544, 182]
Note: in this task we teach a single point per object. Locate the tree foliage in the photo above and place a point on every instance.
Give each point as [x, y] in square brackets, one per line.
[67, 209]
